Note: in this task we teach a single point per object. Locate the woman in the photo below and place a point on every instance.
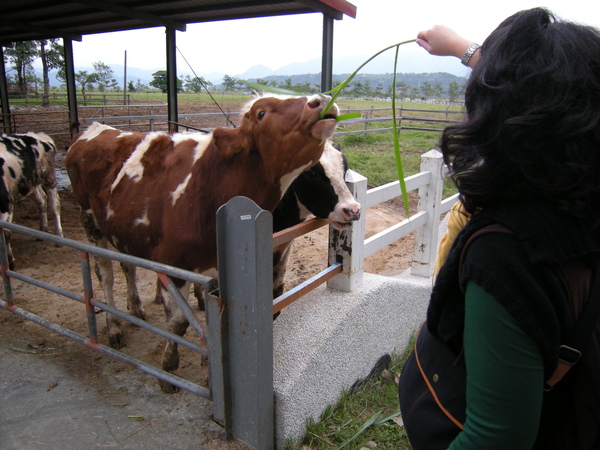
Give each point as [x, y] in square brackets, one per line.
[526, 157]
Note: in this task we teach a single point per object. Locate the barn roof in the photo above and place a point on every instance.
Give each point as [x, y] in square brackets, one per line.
[23, 20]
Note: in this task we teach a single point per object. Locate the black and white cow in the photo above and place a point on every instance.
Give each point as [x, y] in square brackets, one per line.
[27, 168]
[321, 192]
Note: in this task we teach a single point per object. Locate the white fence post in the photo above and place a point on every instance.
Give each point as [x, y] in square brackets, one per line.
[348, 246]
[430, 196]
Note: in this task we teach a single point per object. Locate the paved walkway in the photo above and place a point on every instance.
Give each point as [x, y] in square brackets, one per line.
[44, 405]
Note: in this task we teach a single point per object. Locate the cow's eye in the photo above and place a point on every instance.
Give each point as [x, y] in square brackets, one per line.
[261, 114]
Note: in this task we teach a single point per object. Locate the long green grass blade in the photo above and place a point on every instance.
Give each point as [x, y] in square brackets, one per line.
[354, 115]
[366, 425]
[373, 420]
[397, 141]
[386, 418]
[336, 90]
[271, 89]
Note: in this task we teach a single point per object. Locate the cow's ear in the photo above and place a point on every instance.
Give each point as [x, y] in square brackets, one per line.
[230, 141]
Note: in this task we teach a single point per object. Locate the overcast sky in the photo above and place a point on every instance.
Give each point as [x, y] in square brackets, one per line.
[232, 47]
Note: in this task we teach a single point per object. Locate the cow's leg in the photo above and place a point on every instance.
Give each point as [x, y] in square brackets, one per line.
[134, 304]
[198, 293]
[158, 297]
[104, 270]
[7, 217]
[281, 256]
[54, 205]
[41, 199]
[177, 324]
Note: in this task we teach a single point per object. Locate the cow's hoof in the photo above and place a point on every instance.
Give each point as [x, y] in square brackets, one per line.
[168, 388]
[141, 314]
[116, 340]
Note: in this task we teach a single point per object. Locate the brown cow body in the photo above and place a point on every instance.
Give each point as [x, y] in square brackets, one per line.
[155, 196]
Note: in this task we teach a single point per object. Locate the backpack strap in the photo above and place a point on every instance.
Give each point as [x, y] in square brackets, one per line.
[494, 228]
[572, 350]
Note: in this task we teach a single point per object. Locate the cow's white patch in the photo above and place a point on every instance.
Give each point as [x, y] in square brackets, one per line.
[212, 272]
[142, 220]
[180, 190]
[202, 142]
[287, 179]
[133, 167]
[13, 170]
[109, 212]
[94, 130]
[332, 163]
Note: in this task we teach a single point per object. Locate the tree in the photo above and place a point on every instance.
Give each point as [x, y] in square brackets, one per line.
[427, 90]
[139, 86]
[51, 55]
[196, 84]
[105, 76]
[85, 80]
[287, 84]
[130, 86]
[229, 83]
[401, 89]
[359, 89]
[453, 90]
[20, 57]
[159, 81]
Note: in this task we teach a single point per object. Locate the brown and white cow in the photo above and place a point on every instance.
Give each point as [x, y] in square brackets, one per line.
[155, 196]
[27, 168]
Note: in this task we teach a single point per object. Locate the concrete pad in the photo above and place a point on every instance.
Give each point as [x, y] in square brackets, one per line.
[326, 341]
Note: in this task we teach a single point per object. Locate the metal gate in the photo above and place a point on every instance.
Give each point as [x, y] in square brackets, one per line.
[239, 340]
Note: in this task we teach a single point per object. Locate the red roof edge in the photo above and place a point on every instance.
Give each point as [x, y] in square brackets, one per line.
[342, 6]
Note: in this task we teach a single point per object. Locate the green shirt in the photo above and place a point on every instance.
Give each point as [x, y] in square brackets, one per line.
[505, 378]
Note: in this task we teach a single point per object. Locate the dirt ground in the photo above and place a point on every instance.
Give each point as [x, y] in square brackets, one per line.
[60, 266]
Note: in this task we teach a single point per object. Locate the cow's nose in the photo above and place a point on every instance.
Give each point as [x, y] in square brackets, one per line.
[352, 213]
[318, 101]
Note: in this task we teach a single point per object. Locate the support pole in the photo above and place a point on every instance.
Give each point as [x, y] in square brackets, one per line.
[71, 89]
[245, 263]
[173, 118]
[4, 95]
[327, 57]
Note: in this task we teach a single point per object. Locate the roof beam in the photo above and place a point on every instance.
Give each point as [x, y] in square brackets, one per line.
[19, 25]
[327, 7]
[153, 19]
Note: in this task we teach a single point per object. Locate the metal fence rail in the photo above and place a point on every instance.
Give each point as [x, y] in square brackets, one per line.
[90, 302]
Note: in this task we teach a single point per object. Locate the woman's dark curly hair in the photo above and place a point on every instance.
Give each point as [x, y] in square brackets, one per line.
[532, 128]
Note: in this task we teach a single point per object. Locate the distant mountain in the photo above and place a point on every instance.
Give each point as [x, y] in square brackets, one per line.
[379, 82]
[410, 60]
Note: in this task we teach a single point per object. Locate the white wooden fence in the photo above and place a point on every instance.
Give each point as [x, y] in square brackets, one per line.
[352, 247]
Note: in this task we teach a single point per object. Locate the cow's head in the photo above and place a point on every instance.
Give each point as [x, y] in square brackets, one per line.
[287, 132]
[323, 192]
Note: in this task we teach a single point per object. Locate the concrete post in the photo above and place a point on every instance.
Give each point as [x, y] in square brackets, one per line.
[348, 246]
[430, 196]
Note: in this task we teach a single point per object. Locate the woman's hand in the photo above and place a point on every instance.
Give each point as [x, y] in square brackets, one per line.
[442, 41]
